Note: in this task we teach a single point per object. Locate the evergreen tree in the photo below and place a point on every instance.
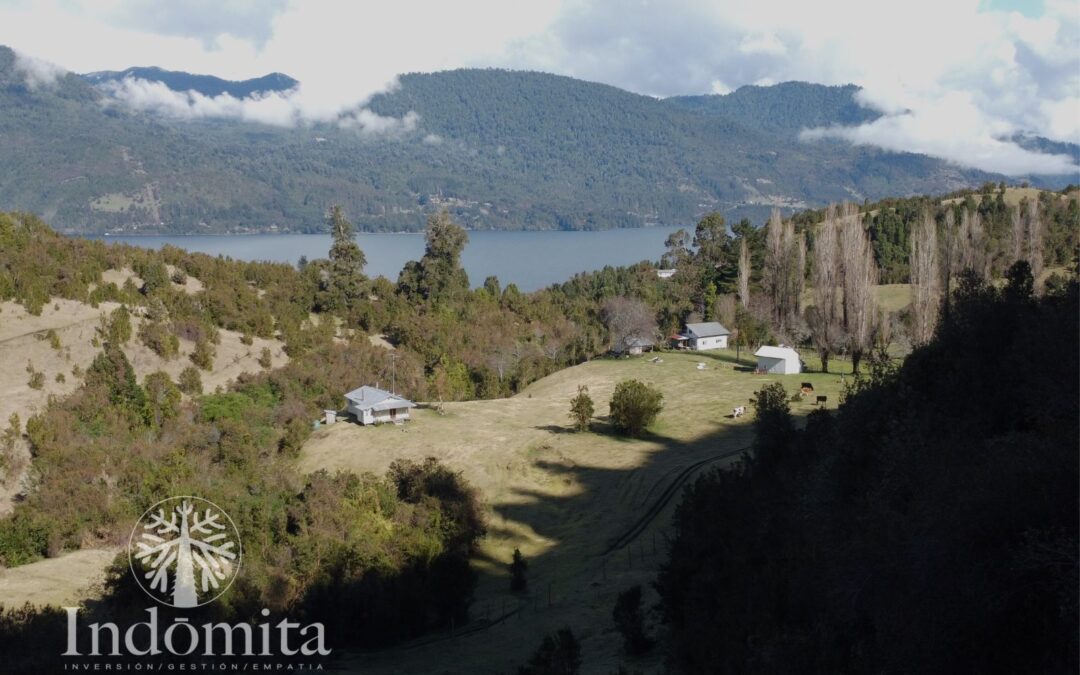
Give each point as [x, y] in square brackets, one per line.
[346, 280]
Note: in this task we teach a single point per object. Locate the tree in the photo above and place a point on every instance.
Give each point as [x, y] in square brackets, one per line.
[630, 621]
[558, 654]
[824, 318]
[190, 381]
[744, 272]
[203, 354]
[162, 397]
[860, 276]
[628, 321]
[773, 427]
[197, 540]
[634, 406]
[973, 252]
[677, 250]
[517, 568]
[925, 280]
[438, 275]
[783, 277]
[581, 408]
[345, 280]
[1035, 236]
[117, 327]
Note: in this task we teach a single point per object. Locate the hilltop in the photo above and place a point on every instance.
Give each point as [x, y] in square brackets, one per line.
[500, 149]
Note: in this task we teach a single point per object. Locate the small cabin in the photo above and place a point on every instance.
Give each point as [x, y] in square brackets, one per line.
[702, 336]
[371, 405]
[778, 361]
[665, 274]
[633, 345]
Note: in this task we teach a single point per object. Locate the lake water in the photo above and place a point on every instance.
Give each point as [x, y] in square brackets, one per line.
[532, 260]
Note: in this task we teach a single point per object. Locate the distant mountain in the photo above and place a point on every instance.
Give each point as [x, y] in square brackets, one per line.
[204, 84]
[785, 108]
[500, 149]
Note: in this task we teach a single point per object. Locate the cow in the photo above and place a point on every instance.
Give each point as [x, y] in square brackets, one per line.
[741, 410]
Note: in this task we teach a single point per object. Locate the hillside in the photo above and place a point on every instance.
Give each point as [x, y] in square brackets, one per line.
[783, 109]
[500, 149]
[207, 85]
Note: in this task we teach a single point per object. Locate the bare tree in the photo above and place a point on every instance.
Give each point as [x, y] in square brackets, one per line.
[1035, 246]
[744, 273]
[823, 318]
[972, 252]
[860, 276]
[925, 280]
[1018, 238]
[628, 320]
[950, 258]
[783, 276]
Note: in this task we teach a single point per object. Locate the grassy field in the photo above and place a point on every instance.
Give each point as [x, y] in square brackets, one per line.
[889, 297]
[562, 497]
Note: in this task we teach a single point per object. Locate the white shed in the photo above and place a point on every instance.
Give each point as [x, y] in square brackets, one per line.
[374, 406]
[778, 360]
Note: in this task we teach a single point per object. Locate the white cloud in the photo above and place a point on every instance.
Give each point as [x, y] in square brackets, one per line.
[37, 72]
[952, 126]
[762, 43]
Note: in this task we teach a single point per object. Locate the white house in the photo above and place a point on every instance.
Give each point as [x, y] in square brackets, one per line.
[375, 406]
[701, 336]
[778, 360]
[665, 274]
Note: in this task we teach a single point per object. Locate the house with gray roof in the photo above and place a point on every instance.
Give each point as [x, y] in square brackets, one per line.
[371, 405]
[702, 336]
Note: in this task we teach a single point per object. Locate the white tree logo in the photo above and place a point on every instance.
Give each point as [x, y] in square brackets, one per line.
[179, 540]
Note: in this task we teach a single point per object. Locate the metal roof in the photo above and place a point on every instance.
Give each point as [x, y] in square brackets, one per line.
[785, 353]
[372, 398]
[707, 329]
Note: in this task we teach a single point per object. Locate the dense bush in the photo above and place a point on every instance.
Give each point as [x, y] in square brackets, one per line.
[634, 406]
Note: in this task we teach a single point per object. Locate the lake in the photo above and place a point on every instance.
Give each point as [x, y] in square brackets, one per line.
[532, 260]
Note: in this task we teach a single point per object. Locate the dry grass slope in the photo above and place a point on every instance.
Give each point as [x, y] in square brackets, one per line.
[561, 496]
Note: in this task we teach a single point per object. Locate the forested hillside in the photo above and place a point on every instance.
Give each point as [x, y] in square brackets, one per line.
[499, 149]
[929, 526]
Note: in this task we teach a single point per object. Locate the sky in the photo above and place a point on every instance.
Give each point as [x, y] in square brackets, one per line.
[955, 78]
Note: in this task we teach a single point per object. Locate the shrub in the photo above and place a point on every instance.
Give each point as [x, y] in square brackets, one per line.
[37, 378]
[190, 381]
[247, 339]
[162, 397]
[60, 378]
[630, 621]
[517, 571]
[157, 336]
[203, 356]
[117, 328]
[558, 654]
[264, 358]
[634, 406]
[581, 408]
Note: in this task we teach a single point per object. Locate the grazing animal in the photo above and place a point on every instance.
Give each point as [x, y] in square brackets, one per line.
[741, 410]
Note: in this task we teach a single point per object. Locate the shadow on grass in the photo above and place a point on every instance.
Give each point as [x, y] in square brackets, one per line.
[588, 532]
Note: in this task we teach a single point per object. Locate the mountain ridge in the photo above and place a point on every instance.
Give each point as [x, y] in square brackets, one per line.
[500, 149]
[207, 85]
